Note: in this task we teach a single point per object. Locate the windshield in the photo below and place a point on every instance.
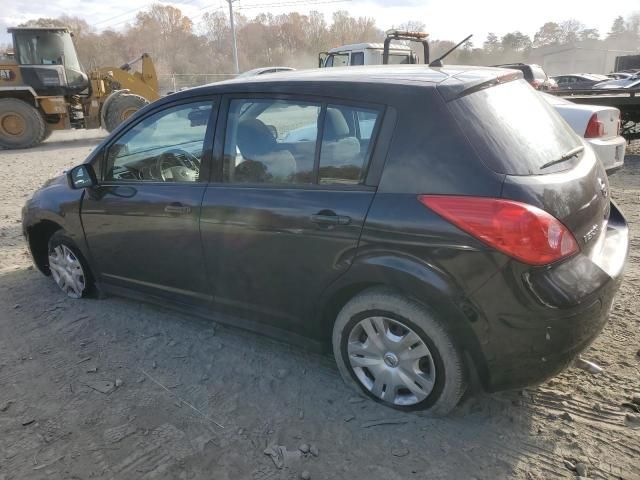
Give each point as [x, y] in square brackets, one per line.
[514, 130]
[49, 48]
[46, 48]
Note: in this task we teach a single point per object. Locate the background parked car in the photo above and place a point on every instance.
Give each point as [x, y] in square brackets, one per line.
[619, 75]
[579, 81]
[264, 70]
[631, 82]
[599, 125]
[534, 74]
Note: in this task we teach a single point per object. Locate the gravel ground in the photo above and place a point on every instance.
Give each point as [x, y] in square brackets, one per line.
[116, 389]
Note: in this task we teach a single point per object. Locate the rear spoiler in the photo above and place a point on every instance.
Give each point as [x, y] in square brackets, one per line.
[471, 81]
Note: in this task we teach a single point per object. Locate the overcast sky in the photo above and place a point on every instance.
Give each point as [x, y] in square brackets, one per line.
[445, 20]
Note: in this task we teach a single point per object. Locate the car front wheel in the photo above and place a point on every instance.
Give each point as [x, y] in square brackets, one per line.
[393, 350]
[67, 266]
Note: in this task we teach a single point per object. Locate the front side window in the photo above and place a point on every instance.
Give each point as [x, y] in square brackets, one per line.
[165, 147]
[337, 60]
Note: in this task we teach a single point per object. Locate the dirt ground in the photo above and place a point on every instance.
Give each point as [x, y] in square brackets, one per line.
[116, 389]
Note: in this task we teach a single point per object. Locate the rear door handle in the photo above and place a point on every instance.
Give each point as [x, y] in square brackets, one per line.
[322, 219]
[177, 208]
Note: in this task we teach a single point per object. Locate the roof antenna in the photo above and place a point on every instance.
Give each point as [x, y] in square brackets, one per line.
[438, 61]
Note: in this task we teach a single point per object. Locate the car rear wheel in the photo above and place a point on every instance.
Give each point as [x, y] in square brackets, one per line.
[67, 266]
[393, 349]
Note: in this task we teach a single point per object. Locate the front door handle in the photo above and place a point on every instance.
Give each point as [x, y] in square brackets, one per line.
[330, 219]
[177, 208]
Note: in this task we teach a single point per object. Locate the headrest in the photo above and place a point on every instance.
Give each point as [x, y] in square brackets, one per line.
[255, 138]
[335, 125]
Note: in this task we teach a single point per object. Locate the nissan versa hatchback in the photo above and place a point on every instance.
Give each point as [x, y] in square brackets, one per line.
[431, 225]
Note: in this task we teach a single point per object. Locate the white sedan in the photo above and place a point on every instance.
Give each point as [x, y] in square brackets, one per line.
[600, 126]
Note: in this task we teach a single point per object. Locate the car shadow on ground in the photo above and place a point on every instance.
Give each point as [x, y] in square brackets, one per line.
[180, 376]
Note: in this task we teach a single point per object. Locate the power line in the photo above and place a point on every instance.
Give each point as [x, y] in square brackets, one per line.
[135, 10]
[106, 20]
[255, 6]
[198, 15]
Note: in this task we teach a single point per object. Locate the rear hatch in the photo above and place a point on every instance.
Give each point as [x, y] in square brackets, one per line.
[517, 133]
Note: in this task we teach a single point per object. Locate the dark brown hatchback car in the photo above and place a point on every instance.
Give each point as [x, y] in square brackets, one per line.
[410, 218]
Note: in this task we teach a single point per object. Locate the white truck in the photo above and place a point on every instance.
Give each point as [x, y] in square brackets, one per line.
[383, 53]
[377, 53]
[365, 54]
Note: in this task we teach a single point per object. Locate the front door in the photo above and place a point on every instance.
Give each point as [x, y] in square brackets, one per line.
[141, 222]
[285, 220]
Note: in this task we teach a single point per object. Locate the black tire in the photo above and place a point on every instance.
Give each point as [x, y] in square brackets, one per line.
[122, 107]
[21, 124]
[47, 133]
[450, 380]
[60, 238]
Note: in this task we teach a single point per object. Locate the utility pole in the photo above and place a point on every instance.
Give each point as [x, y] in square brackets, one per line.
[233, 34]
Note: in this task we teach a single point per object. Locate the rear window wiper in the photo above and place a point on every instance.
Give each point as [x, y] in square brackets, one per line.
[570, 154]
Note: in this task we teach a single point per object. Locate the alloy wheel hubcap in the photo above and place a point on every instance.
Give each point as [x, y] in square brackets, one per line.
[391, 361]
[67, 271]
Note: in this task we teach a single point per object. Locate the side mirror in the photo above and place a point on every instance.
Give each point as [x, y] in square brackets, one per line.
[82, 176]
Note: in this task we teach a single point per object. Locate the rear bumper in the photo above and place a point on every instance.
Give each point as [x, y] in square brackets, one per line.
[610, 152]
[537, 320]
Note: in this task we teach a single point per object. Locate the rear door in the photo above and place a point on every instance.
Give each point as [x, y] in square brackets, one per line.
[284, 218]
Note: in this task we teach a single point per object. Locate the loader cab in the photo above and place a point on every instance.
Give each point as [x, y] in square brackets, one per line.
[48, 61]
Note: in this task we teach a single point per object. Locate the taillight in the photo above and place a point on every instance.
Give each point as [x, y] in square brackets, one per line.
[521, 231]
[595, 128]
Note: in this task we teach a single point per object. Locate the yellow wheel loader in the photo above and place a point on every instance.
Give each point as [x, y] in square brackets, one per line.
[44, 88]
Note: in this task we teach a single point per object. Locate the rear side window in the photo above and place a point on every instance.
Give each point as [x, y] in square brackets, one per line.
[346, 144]
[514, 130]
[271, 141]
[357, 58]
[278, 142]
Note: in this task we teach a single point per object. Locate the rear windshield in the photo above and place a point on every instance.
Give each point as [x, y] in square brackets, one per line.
[514, 130]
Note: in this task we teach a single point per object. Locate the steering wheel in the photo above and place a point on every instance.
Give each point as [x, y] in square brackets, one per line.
[184, 159]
